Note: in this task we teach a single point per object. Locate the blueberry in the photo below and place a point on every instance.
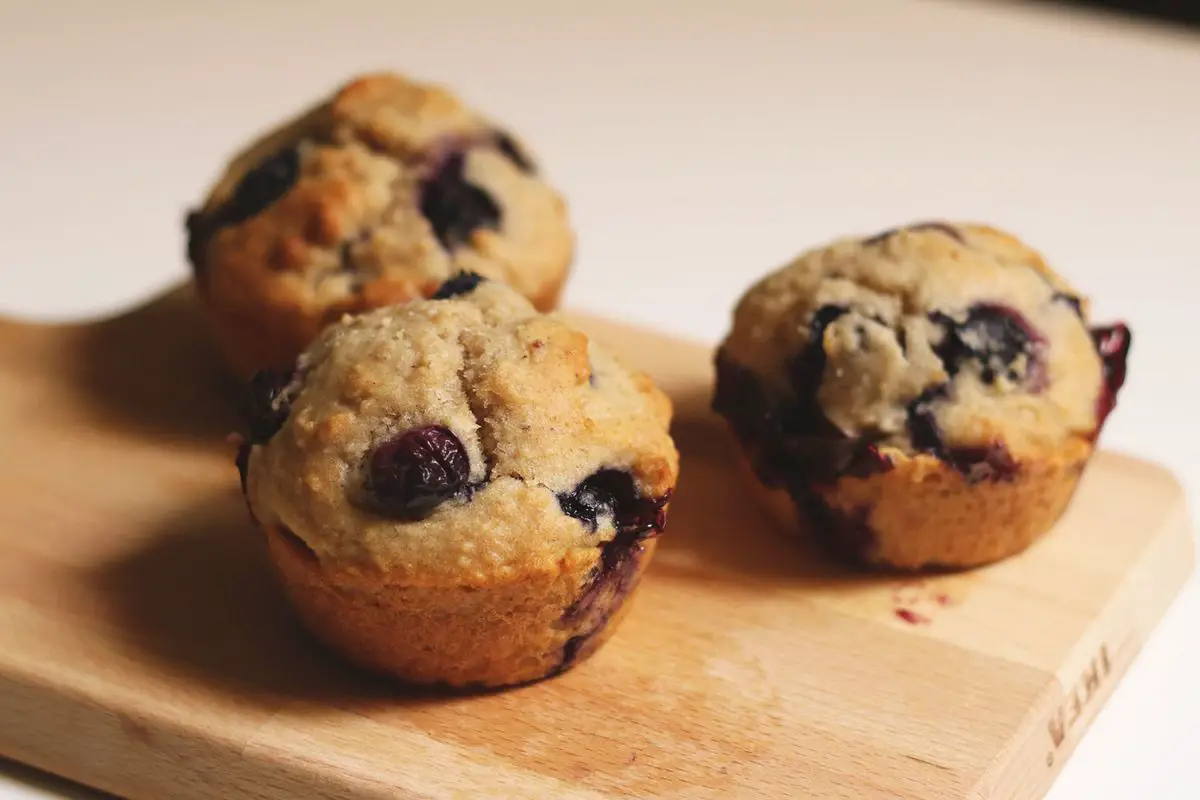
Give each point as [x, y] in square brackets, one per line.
[993, 335]
[809, 366]
[739, 398]
[259, 188]
[462, 283]
[413, 473]
[922, 427]
[609, 586]
[941, 227]
[262, 186]
[454, 207]
[268, 403]
[575, 650]
[1112, 344]
[611, 493]
[990, 462]
[790, 440]
[506, 145]
[608, 493]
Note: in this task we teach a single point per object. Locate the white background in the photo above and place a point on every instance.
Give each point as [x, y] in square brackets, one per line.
[700, 143]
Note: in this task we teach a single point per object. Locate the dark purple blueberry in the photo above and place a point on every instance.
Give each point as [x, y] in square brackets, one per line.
[268, 403]
[454, 207]
[1073, 301]
[462, 283]
[790, 440]
[810, 441]
[820, 454]
[506, 145]
[574, 650]
[258, 189]
[1112, 343]
[611, 493]
[739, 398]
[809, 366]
[922, 427]
[613, 582]
[993, 335]
[620, 559]
[991, 462]
[262, 186]
[941, 227]
[413, 473]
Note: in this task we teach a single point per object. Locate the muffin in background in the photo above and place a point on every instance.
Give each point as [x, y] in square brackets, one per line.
[927, 397]
[376, 195]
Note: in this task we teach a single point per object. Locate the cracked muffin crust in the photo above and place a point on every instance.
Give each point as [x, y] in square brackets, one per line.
[375, 196]
[928, 396]
[459, 490]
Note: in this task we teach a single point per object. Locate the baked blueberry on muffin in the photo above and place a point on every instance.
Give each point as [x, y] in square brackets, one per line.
[459, 490]
[925, 397]
[376, 195]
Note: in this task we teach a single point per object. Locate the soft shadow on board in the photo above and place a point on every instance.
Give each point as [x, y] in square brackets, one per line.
[155, 371]
[197, 597]
[197, 602]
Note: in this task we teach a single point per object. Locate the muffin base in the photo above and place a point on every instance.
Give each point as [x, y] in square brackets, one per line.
[533, 627]
[923, 515]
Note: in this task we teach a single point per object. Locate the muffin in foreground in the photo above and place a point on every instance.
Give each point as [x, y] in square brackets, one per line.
[374, 196]
[460, 490]
[927, 397]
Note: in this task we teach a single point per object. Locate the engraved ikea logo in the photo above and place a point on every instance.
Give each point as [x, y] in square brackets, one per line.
[1085, 690]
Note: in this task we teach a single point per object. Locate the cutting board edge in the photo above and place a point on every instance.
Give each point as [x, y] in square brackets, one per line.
[128, 764]
[1076, 696]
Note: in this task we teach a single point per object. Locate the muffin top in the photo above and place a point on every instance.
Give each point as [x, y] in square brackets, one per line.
[461, 439]
[936, 337]
[377, 194]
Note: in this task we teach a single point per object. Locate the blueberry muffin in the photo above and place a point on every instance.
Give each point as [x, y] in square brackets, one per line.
[375, 196]
[460, 490]
[925, 397]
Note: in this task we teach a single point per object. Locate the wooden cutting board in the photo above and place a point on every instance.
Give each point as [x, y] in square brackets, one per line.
[145, 650]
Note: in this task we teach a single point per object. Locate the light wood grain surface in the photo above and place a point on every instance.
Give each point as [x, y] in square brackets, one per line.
[146, 651]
